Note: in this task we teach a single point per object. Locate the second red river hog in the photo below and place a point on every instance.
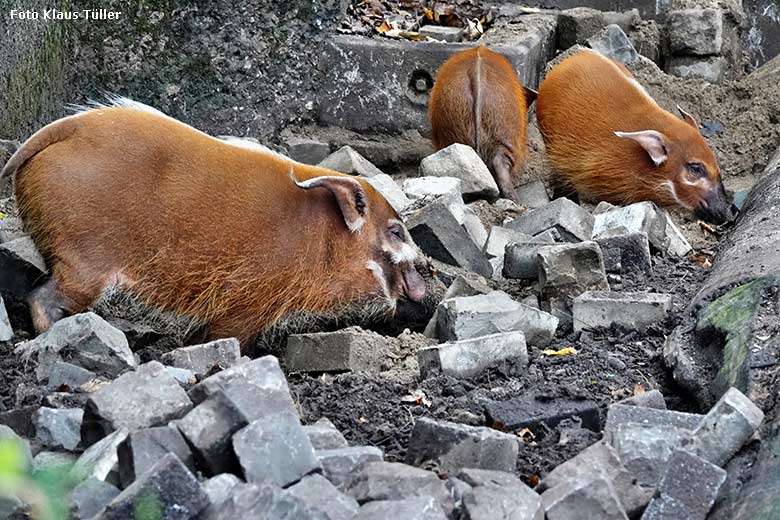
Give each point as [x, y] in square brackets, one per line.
[608, 140]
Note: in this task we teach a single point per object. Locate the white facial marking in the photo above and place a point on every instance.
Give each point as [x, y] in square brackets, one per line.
[379, 274]
[670, 186]
[405, 253]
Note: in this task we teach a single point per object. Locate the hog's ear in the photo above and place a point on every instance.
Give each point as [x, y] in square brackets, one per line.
[350, 196]
[688, 118]
[653, 142]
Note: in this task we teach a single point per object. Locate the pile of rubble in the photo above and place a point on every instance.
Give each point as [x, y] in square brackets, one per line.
[204, 432]
[231, 445]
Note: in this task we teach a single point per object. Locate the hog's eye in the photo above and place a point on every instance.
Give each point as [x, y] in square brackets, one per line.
[397, 232]
[696, 171]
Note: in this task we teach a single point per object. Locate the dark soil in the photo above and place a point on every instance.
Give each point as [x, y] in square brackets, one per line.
[609, 366]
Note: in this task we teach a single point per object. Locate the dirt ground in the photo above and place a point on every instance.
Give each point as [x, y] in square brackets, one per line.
[609, 366]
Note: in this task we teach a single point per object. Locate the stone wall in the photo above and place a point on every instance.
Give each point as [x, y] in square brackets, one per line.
[33, 66]
[761, 38]
[246, 68]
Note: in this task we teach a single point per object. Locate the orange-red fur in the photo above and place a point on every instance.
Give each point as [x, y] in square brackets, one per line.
[189, 223]
[582, 103]
[477, 100]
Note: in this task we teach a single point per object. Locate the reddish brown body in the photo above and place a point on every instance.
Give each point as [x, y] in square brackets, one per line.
[477, 100]
[212, 230]
[608, 139]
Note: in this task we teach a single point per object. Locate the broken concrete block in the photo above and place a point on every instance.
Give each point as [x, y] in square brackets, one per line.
[168, 488]
[461, 161]
[325, 436]
[695, 32]
[142, 449]
[58, 428]
[650, 399]
[499, 237]
[144, 398]
[442, 33]
[576, 25]
[592, 497]
[209, 428]
[495, 494]
[551, 235]
[262, 501]
[646, 38]
[628, 253]
[533, 195]
[619, 414]
[21, 267]
[347, 160]
[687, 490]
[712, 70]
[568, 270]
[474, 227]
[641, 217]
[11, 229]
[488, 502]
[183, 376]
[435, 229]
[350, 350]
[257, 388]
[324, 498]
[89, 498]
[221, 488]
[86, 340]
[613, 43]
[390, 190]
[469, 317]
[100, 459]
[201, 359]
[7, 435]
[645, 450]
[307, 151]
[447, 187]
[521, 261]
[676, 243]
[275, 450]
[528, 412]
[600, 459]
[339, 465]
[467, 358]
[572, 222]
[6, 332]
[635, 311]
[419, 508]
[455, 446]
[68, 375]
[726, 427]
[460, 286]
[48, 460]
[395, 481]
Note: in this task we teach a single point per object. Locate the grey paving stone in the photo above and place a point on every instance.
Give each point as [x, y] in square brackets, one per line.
[453, 446]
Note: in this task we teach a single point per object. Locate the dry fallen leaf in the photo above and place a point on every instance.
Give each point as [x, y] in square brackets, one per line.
[385, 28]
[417, 397]
[562, 352]
[527, 435]
[639, 389]
[362, 420]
